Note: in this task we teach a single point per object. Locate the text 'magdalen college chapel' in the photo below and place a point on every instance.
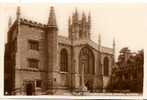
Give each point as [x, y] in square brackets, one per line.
[39, 61]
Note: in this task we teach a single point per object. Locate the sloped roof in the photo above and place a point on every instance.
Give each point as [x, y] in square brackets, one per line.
[66, 41]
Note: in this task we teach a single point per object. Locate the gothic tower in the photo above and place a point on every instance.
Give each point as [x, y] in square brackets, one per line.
[79, 28]
[52, 32]
[75, 26]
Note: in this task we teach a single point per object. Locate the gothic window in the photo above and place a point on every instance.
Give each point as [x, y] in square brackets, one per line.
[87, 60]
[33, 44]
[106, 66]
[33, 63]
[63, 60]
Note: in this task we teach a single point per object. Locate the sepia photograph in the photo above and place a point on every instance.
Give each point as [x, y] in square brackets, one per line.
[74, 49]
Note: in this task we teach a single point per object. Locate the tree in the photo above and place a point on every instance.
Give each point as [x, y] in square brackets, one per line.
[123, 57]
[133, 63]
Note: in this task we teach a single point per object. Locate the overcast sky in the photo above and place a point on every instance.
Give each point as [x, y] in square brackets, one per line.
[126, 22]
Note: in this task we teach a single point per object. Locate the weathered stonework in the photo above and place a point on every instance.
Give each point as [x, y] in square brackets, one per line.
[53, 80]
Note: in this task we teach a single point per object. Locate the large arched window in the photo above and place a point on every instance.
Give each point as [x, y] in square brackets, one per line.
[63, 60]
[106, 66]
[86, 59]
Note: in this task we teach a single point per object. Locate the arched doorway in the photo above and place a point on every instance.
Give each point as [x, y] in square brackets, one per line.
[106, 66]
[86, 59]
[30, 88]
[88, 84]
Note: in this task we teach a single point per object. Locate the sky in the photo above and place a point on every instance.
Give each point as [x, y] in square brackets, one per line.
[125, 22]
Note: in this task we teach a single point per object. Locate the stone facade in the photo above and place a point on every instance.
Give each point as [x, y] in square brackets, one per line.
[58, 59]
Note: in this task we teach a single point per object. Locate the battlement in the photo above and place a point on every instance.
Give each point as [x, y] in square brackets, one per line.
[32, 23]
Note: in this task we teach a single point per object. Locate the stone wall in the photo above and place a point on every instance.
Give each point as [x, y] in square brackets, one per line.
[69, 80]
[23, 72]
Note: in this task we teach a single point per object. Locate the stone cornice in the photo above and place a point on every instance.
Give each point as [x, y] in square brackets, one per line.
[31, 69]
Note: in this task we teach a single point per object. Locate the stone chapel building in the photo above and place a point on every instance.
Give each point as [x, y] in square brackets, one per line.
[39, 61]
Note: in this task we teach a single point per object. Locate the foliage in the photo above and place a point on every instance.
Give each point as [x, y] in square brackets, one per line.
[128, 62]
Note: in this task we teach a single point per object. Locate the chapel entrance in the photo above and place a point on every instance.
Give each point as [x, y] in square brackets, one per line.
[86, 63]
[89, 85]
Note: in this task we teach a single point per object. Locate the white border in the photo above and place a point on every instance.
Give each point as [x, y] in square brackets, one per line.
[70, 97]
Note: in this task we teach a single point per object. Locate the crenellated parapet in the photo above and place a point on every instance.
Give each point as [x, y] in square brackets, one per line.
[32, 23]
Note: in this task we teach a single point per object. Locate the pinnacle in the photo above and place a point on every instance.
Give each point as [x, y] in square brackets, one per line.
[52, 17]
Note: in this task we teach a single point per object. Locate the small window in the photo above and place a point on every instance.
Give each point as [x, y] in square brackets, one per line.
[33, 63]
[63, 60]
[38, 83]
[34, 45]
[106, 66]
